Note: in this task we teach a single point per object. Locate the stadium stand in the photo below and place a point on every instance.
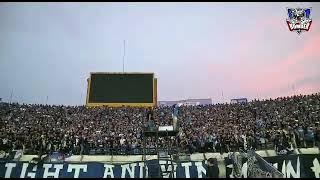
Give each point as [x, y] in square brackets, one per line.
[282, 124]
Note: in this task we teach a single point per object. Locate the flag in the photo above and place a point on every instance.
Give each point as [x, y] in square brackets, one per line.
[175, 110]
[18, 154]
[175, 116]
[237, 164]
[58, 157]
[258, 167]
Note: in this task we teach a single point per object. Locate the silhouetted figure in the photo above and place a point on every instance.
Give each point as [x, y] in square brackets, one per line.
[213, 169]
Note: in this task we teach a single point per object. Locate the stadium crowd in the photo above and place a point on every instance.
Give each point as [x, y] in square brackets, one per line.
[286, 122]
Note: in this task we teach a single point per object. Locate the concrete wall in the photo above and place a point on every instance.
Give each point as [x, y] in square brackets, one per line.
[193, 157]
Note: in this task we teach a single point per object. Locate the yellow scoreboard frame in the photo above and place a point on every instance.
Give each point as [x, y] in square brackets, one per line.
[153, 104]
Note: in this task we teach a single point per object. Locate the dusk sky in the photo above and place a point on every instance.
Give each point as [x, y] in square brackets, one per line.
[196, 50]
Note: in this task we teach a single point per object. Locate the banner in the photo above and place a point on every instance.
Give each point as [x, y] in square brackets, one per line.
[240, 101]
[291, 166]
[57, 157]
[11, 155]
[261, 168]
[191, 169]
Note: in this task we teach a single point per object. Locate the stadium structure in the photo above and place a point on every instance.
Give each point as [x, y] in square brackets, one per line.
[139, 90]
[186, 102]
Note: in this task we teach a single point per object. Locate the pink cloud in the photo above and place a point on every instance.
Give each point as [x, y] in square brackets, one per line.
[271, 78]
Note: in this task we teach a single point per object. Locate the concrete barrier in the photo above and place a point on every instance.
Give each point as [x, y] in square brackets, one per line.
[135, 158]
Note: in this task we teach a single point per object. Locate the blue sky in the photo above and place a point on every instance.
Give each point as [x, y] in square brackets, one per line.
[196, 50]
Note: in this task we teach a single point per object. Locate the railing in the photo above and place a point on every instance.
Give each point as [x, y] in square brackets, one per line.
[122, 151]
[153, 151]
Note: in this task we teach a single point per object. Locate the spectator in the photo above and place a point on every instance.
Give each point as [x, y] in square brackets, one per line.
[41, 129]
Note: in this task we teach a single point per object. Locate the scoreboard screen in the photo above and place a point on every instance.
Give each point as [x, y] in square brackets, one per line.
[121, 88]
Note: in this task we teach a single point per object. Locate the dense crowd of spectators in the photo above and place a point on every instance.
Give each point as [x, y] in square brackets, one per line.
[287, 122]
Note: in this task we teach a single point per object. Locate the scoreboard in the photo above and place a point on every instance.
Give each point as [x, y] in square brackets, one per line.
[122, 89]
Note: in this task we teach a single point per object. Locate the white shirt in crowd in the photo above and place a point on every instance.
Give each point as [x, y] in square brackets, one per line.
[122, 140]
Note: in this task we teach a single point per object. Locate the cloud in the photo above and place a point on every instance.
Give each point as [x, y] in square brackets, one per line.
[271, 73]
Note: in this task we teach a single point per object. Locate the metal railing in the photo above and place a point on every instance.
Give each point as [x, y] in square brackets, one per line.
[85, 150]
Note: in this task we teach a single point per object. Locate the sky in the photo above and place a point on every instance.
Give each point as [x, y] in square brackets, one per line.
[196, 50]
